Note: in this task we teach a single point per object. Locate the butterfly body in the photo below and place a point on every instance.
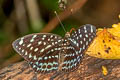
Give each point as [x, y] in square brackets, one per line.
[47, 52]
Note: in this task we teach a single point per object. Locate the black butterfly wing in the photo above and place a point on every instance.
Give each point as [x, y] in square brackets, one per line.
[41, 50]
[78, 43]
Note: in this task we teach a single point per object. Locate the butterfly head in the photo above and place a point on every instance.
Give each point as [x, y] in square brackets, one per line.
[67, 35]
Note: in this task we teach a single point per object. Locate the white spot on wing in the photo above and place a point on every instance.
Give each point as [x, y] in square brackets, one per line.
[51, 36]
[59, 40]
[40, 58]
[44, 43]
[21, 41]
[56, 42]
[34, 36]
[44, 36]
[31, 48]
[34, 57]
[80, 35]
[36, 49]
[32, 40]
[22, 50]
[79, 31]
[89, 39]
[16, 46]
[26, 53]
[84, 39]
[77, 45]
[52, 43]
[83, 46]
[34, 66]
[77, 37]
[86, 43]
[55, 37]
[23, 44]
[29, 45]
[80, 50]
[56, 48]
[49, 57]
[81, 42]
[45, 58]
[91, 28]
[30, 56]
[40, 42]
[56, 56]
[86, 35]
[52, 50]
[48, 46]
[42, 50]
[48, 39]
[85, 29]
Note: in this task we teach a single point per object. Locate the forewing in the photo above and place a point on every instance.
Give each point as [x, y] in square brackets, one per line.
[40, 50]
[78, 43]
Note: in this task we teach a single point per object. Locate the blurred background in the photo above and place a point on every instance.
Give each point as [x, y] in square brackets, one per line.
[22, 17]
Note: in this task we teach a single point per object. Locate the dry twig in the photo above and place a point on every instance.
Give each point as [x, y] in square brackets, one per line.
[89, 69]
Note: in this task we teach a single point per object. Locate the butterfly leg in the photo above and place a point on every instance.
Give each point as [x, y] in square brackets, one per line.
[35, 76]
[60, 61]
[57, 73]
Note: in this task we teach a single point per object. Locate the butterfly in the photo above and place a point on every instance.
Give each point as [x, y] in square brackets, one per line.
[47, 52]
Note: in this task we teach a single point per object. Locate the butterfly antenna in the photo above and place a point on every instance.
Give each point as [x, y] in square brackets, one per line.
[60, 21]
